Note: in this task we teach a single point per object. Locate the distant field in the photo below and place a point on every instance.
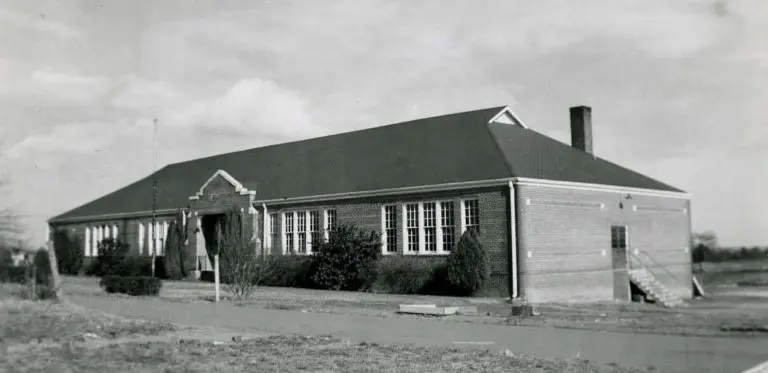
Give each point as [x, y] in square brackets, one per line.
[736, 273]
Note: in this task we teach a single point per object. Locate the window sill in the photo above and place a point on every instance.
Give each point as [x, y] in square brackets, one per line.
[427, 253]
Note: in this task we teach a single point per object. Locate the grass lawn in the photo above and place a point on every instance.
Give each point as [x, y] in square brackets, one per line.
[703, 317]
[47, 337]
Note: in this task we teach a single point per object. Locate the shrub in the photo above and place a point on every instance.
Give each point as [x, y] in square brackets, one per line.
[111, 254]
[468, 270]
[177, 259]
[406, 275]
[347, 261]
[15, 275]
[131, 285]
[69, 253]
[291, 271]
[42, 267]
[134, 265]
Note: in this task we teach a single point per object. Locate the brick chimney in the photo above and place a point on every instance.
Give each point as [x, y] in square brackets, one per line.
[581, 128]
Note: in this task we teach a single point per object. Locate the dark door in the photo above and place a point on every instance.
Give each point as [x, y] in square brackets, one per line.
[621, 290]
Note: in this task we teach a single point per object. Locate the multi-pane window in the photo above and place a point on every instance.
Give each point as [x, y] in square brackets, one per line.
[87, 241]
[472, 215]
[447, 225]
[274, 234]
[430, 227]
[289, 243]
[314, 229]
[330, 220]
[301, 225]
[618, 237]
[412, 227]
[141, 238]
[390, 228]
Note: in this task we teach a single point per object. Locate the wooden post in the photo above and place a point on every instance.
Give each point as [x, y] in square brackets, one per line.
[56, 281]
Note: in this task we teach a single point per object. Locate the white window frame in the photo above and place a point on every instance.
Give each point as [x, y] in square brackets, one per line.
[326, 221]
[441, 227]
[385, 239]
[464, 216]
[302, 216]
[310, 232]
[141, 238]
[421, 227]
[87, 240]
[273, 228]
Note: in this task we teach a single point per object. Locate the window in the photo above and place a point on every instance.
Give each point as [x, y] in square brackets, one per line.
[472, 215]
[618, 237]
[87, 241]
[447, 225]
[330, 220]
[314, 229]
[289, 247]
[390, 229]
[412, 227]
[301, 225]
[430, 227]
[141, 238]
[273, 232]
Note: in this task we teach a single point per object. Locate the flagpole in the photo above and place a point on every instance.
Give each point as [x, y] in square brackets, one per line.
[154, 193]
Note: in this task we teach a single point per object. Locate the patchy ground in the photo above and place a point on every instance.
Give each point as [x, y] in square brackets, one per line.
[721, 316]
[48, 337]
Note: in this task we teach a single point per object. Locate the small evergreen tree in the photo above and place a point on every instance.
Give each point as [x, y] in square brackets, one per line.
[69, 253]
[348, 260]
[468, 270]
[178, 261]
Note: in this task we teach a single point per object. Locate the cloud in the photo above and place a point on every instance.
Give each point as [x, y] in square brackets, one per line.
[39, 23]
[249, 107]
[47, 86]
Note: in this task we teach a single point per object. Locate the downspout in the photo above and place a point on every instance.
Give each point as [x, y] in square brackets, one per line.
[513, 241]
[264, 228]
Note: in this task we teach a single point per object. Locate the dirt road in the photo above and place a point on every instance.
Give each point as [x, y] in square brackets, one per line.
[667, 353]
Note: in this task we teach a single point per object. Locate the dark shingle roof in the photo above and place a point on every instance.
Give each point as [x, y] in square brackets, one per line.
[449, 148]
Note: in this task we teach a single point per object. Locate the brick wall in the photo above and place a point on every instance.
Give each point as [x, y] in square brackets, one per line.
[367, 214]
[565, 241]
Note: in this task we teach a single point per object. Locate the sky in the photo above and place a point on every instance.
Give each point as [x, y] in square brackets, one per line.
[679, 89]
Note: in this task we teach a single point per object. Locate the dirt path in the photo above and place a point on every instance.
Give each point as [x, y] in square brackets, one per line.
[668, 353]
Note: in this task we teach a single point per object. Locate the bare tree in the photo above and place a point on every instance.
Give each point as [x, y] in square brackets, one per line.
[243, 269]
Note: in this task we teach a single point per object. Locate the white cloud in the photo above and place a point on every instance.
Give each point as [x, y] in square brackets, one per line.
[40, 24]
[249, 107]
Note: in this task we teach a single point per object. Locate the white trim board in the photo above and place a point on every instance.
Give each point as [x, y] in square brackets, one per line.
[507, 111]
[388, 192]
[239, 188]
[118, 215]
[599, 188]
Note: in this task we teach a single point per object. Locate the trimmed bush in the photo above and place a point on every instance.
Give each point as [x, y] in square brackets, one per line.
[134, 265]
[347, 261]
[131, 285]
[178, 259]
[42, 264]
[408, 275]
[69, 252]
[468, 270]
[111, 254]
[291, 271]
